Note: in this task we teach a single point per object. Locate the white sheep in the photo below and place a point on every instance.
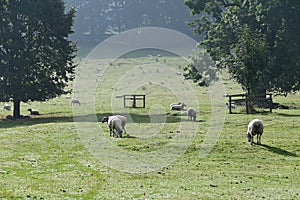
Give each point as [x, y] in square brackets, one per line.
[7, 107]
[75, 101]
[108, 120]
[192, 114]
[177, 106]
[232, 105]
[255, 127]
[115, 126]
[33, 112]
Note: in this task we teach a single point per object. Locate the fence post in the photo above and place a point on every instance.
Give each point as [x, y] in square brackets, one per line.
[124, 100]
[247, 104]
[134, 102]
[271, 103]
[230, 111]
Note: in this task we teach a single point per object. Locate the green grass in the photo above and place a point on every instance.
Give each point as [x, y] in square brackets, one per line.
[44, 157]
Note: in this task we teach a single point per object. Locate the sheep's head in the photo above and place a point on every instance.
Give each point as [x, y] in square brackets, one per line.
[249, 136]
[120, 133]
[104, 119]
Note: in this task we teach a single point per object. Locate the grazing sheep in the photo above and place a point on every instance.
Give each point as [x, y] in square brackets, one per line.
[108, 119]
[9, 117]
[192, 114]
[7, 107]
[255, 127]
[33, 112]
[75, 101]
[113, 123]
[178, 106]
[233, 106]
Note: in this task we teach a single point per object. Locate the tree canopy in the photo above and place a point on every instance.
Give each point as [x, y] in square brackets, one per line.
[36, 56]
[256, 40]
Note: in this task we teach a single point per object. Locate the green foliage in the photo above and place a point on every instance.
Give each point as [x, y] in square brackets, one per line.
[202, 69]
[36, 56]
[257, 41]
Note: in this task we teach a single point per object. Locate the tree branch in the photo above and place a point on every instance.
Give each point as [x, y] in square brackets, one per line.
[228, 4]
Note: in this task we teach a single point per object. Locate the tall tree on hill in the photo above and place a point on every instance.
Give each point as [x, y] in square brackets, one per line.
[256, 40]
[36, 56]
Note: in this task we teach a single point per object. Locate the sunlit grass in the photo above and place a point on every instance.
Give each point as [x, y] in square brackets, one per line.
[44, 158]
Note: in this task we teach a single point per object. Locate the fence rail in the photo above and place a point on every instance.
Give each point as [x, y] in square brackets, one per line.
[133, 98]
[262, 101]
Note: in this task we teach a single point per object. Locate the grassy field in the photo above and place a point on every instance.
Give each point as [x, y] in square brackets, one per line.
[46, 157]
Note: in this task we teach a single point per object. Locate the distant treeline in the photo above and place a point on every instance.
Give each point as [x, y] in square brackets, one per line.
[97, 20]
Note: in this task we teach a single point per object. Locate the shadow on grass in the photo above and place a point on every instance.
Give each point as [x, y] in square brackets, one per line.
[288, 115]
[266, 113]
[143, 118]
[128, 136]
[42, 119]
[262, 112]
[279, 151]
[56, 118]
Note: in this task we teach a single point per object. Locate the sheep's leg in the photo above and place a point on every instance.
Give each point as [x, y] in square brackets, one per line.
[110, 132]
[252, 142]
[258, 139]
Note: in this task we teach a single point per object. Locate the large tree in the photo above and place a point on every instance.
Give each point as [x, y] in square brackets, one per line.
[256, 40]
[36, 56]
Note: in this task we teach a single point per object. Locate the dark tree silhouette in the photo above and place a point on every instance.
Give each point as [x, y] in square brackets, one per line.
[36, 56]
[256, 41]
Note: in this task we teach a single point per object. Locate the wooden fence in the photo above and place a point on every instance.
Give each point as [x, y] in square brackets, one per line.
[131, 101]
[262, 101]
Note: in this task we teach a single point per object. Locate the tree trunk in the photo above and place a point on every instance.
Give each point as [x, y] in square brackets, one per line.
[262, 92]
[249, 101]
[261, 97]
[119, 6]
[17, 109]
